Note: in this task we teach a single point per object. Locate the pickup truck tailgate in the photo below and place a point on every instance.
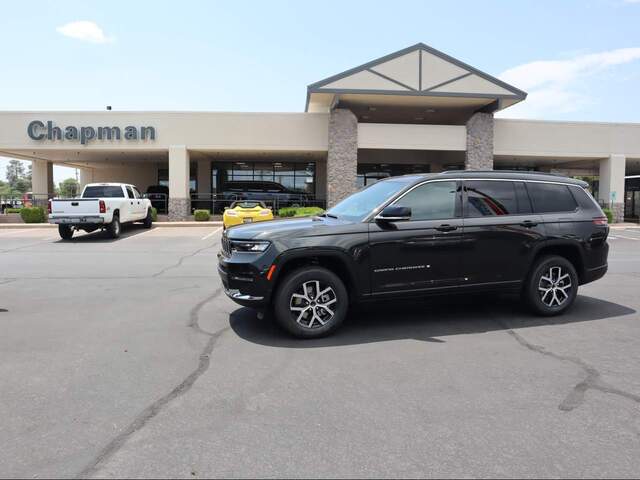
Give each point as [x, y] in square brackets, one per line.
[76, 206]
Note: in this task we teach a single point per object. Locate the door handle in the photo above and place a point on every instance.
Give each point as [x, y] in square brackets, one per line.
[528, 224]
[445, 227]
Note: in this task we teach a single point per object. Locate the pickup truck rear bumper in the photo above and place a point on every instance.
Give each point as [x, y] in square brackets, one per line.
[76, 220]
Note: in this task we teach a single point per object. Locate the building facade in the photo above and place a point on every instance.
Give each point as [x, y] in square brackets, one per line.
[416, 110]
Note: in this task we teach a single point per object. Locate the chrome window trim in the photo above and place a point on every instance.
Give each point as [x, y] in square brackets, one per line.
[379, 208]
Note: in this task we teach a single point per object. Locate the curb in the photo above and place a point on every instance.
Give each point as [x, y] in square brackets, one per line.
[28, 226]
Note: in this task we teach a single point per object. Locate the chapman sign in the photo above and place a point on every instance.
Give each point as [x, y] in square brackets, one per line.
[38, 130]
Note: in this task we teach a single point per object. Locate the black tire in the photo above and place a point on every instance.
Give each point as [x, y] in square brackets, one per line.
[65, 231]
[148, 220]
[316, 320]
[548, 291]
[114, 228]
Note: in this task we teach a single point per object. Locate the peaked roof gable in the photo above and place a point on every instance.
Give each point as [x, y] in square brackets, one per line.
[418, 70]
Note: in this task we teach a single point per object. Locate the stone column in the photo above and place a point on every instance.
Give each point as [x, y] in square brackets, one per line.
[342, 157]
[179, 198]
[479, 154]
[41, 179]
[611, 188]
[86, 176]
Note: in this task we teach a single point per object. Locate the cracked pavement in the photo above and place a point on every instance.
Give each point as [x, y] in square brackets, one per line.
[124, 359]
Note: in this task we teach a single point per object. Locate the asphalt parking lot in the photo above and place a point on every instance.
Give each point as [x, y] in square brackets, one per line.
[125, 359]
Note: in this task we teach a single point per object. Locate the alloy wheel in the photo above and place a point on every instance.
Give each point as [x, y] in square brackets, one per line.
[313, 304]
[554, 287]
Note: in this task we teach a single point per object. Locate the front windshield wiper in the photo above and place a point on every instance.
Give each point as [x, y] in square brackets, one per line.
[331, 215]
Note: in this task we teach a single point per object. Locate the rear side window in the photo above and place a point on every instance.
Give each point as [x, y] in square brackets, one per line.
[585, 200]
[102, 191]
[490, 198]
[551, 198]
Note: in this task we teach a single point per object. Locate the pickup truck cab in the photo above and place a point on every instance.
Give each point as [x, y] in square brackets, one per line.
[104, 206]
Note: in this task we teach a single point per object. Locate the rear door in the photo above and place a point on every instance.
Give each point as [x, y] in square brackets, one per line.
[422, 253]
[500, 231]
[140, 208]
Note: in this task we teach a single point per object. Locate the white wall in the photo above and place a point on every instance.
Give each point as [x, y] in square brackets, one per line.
[412, 137]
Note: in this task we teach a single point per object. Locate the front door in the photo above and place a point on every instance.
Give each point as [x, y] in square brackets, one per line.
[421, 253]
[500, 232]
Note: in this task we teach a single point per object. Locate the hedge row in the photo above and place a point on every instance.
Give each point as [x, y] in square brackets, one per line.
[33, 215]
[299, 211]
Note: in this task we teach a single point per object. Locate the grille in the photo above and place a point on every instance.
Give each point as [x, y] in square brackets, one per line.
[226, 246]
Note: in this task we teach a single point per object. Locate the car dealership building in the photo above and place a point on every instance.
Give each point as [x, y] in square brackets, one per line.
[416, 110]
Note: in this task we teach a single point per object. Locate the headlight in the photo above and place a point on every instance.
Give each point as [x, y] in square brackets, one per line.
[248, 246]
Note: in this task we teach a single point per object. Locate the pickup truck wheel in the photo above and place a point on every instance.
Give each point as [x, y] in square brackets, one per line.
[65, 231]
[114, 227]
[148, 221]
[552, 286]
[311, 302]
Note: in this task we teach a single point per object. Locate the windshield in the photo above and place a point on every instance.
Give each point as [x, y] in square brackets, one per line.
[103, 191]
[357, 206]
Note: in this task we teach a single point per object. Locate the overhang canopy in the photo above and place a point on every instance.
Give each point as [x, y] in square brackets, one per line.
[416, 79]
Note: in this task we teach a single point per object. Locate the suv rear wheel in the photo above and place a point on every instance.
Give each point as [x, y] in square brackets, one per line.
[552, 286]
[311, 302]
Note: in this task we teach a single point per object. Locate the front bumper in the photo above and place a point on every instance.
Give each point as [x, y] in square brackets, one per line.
[244, 278]
[79, 220]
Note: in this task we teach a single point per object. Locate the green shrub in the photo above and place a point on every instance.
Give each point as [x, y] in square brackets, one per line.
[33, 215]
[201, 215]
[609, 213]
[299, 211]
[12, 210]
[154, 214]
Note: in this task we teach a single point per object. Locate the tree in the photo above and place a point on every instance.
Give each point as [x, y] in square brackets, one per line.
[68, 187]
[18, 180]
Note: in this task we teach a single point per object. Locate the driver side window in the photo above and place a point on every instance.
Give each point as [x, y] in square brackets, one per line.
[431, 201]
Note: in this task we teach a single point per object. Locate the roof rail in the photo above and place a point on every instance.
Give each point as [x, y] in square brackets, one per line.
[522, 172]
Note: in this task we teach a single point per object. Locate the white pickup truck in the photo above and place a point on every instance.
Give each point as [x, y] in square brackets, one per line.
[104, 206]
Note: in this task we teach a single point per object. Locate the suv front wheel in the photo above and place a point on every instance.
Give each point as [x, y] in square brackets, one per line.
[311, 302]
[552, 286]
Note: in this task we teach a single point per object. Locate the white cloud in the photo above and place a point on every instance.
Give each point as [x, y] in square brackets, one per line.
[84, 30]
[551, 83]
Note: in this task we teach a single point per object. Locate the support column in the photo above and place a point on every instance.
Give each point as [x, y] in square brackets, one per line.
[479, 155]
[342, 157]
[611, 188]
[179, 201]
[86, 176]
[42, 179]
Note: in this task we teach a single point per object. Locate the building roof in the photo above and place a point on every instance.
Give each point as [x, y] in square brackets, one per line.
[417, 75]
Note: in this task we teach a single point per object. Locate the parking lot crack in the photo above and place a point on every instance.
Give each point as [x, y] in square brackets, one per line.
[142, 419]
[181, 260]
[592, 380]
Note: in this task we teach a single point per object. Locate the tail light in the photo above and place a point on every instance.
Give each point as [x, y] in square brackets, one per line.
[265, 212]
[103, 207]
[600, 221]
[49, 206]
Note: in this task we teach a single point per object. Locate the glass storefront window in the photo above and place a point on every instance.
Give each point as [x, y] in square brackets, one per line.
[371, 173]
[293, 176]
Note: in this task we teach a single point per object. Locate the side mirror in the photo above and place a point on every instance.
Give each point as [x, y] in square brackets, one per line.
[394, 214]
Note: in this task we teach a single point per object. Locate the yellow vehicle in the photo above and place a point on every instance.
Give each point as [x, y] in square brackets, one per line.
[245, 211]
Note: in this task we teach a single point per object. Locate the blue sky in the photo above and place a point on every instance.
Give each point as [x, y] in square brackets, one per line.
[579, 60]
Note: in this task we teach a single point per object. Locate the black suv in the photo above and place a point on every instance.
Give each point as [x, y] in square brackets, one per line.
[454, 232]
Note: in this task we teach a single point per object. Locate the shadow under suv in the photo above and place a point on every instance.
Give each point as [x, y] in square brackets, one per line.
[466, 231]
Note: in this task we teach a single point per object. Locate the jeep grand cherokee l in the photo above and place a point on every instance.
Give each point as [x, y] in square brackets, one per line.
[454, 232]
